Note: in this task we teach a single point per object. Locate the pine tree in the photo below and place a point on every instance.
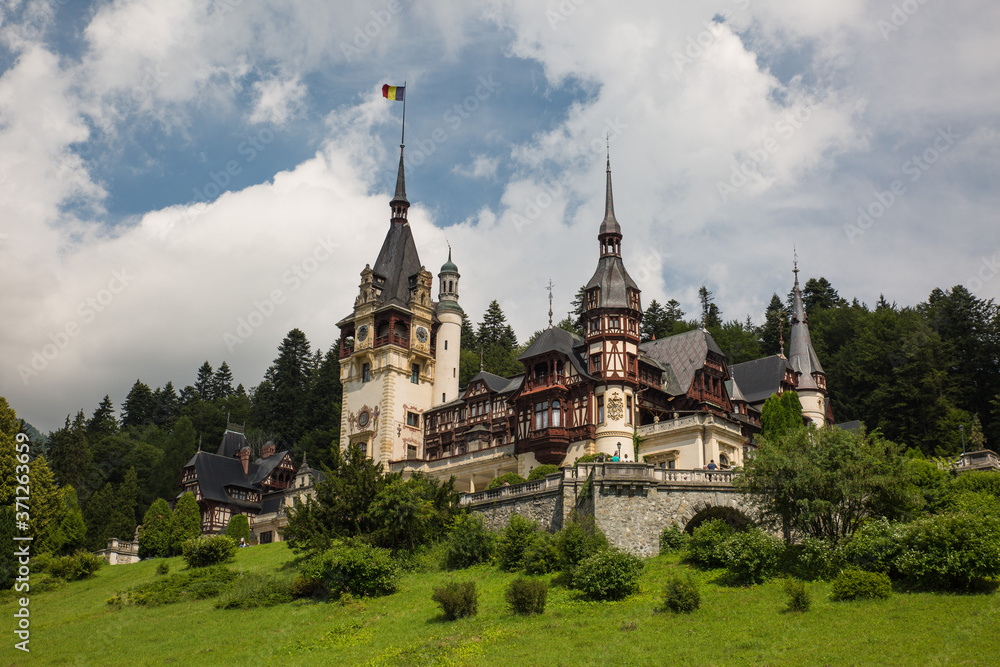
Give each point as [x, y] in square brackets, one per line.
[577, 307]
[72, 528]
[818, 294]
[187, 521]
[976, 436]
[780, 415]
[321, 409]
[279, 399]
[498, 343]
[156, 533]
[46, 507]
[8, 453]
[653, 322]
[468, 335]
[123, 522]
[99, 514]
[673, 316]
[204, 386]
[711, 316]
[139, 406]
[222, 382]
[103, 423]
[70, 454]
[166, 405]
[772, 333]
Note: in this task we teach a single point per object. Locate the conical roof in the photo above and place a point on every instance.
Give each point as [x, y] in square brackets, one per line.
[801, 354]
[610, 224]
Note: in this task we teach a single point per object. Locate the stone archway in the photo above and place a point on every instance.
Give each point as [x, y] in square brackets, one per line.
[731, 513]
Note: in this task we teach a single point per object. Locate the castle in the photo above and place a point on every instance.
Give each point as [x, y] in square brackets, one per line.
[598, 393]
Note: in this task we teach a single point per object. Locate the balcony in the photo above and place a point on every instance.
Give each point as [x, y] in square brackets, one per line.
[549, 445]
[393, 339]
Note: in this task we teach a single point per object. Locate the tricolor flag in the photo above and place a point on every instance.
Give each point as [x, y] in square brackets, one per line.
[396, 93]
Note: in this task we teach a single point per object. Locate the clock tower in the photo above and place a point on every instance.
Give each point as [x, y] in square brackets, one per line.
[389, 346]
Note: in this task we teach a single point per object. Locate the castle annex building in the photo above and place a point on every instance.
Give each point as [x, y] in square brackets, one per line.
[589, 394]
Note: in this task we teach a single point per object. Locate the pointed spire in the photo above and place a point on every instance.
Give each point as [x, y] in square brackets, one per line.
[801, 353]
[549, 288]
[399, 203]
[610, 224]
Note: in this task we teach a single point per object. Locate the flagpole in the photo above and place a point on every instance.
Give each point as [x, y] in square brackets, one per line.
[402, 138]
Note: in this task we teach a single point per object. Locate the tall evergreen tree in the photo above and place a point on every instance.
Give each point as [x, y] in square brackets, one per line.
[99, 514]
[139, 406]
[222, 382]
[70, 454]
[186, 522]
[46, 507]
[498, 343]
[156, 533]
[72, 528]
[654, 322]
[776, 328]
[103, 423]
[279, 399]
[166, 405]
[123, 522]
[204, 385]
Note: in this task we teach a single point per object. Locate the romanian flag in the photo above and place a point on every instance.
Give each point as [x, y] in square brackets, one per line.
[393, 92]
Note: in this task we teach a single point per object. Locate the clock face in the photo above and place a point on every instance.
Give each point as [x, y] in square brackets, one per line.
[363, 418]
[422, 334]
[362, 332]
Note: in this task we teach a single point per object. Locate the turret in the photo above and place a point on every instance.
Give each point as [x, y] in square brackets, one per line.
[802, 356]
[449, 334]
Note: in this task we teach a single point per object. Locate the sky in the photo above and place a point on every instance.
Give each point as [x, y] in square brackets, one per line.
[187, 181]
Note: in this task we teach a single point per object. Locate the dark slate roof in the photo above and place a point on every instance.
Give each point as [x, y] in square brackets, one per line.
[760, 378]
[397, 262]
[614, 282]
[266, 466]
[494, 383]
[684, 354]
[853, 425]
[801, 353]
[271, 503]
[558, 340]
[734, 391]
[232, 442]
[216, 472]
[513, 384]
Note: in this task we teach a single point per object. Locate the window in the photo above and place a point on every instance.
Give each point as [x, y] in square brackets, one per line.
[600, 409]
[446, 344]
[442, 398]
[628, 409]
[541, 415]
[415, 374]
[412, 419]
[366, 372]
[556, 416]
[595, 363]
[266, 537]
[614, 323]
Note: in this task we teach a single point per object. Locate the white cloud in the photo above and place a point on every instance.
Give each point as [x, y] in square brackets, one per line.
[482, 166]
[278, 100]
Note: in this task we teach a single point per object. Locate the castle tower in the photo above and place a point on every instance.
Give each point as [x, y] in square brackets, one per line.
[611, 317]
[449, 334]
[386, 346]
[801, 355]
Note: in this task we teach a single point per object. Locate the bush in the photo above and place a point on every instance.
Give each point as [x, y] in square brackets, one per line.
[306, 587]
[813, 558]
[672, 538]
[197, 584]
[457, 600]
[470, 542]
[681, 594]
[798, 595]
[580, 539]
[586, 458]
[853, 584]
[238, 528]
[751, 556]
[873, 547]
[360, 570]
[514, 541]
[609, 575]
[704, 546]
[81, 565]
[208, 550]
[541, 471]
[255, 589]
[162, 569]
[541, 556]
[526, 596]
[950, 551]
[509, 477]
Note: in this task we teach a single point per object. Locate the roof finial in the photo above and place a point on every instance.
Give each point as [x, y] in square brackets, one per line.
[199, 436]
[781, 334]
[549, 288]
[481, 359]
[795, 265]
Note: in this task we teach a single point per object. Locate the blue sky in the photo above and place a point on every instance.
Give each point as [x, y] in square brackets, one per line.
[864, 133]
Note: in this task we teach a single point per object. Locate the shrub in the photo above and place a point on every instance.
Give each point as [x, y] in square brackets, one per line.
[541, 556]
[255, 589]
[541, 471]
[162, 569]
[950, 551]
[751, 556]
[704, 546]
[509, 477]
[798, 595]
[681, 594]
[852, 584]
[586, 458]
[526, 596]
[208, 550]
[306, 587]
[238, 528]
[813, 558]
[873, 547]
[470, 542]
[457, 600]
[156, 531]
[672, 538]
[580, 539]
[608, 575]
[361, 570]
[197, 584]
[514, 540]
[81, 565]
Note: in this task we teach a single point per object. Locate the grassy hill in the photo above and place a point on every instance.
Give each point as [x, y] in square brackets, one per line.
[735, 626]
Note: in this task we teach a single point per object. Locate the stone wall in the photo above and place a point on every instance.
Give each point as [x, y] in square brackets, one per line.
[632, 503]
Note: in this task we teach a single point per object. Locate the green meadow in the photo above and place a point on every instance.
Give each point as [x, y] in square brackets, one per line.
[74, 625]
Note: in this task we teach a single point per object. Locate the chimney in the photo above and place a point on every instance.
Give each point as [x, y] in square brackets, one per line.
[268, 450]
[245, 460]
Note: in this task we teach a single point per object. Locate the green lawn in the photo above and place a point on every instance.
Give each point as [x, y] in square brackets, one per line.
[735, 626]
